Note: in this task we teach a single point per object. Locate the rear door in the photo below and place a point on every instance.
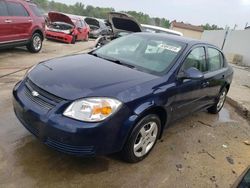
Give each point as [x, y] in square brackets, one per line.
[85, 29]
[82, 29]
[215, 76]
[5, 26]
[79, 28]
[20, 20]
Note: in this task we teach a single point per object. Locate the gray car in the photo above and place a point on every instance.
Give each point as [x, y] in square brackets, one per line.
[97, 27]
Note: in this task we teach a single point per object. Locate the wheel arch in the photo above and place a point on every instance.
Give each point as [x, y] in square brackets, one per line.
[157, 110]
[39, 32]
[227, 86]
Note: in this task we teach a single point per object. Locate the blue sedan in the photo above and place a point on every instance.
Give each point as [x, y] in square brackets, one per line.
[120, 97]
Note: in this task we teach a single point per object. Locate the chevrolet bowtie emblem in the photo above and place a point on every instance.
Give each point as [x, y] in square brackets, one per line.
[35, 94]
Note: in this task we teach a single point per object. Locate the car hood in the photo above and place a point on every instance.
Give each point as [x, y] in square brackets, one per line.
[121, 22]
[59, 17]
[79, 76]
[92, 22]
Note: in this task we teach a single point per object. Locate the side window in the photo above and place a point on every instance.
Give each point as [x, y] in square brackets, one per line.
[215, 59]
[16, 9]
[196, 59]
[36, 10]
[83, 23]
[3, 9]
[79, 24]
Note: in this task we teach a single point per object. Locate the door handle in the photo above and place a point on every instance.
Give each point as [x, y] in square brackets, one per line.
[30, 20]
[8, 21]
[205, 84]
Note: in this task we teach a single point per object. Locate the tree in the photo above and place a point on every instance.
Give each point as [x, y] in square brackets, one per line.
[211, 27]
[99, 12]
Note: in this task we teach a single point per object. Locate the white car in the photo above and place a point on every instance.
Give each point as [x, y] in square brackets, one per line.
[156, 29]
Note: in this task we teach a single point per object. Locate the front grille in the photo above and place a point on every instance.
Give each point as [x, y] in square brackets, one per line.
[69, 149]
[44, 99]
[37, 100]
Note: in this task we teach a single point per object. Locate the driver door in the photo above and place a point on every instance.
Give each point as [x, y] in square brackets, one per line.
[189, 93]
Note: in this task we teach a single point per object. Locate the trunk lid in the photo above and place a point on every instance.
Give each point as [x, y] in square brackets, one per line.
[93, 23]
[121, 22]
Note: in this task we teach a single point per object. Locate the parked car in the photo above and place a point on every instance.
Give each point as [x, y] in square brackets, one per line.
[22, 24]
[97, 27]
[156, 29]
[121, 24]
[120, 97]
[67, 28]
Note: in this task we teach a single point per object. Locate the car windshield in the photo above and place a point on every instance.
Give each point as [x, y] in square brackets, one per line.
[152, 54]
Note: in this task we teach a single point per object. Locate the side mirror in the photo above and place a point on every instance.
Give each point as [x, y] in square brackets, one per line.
[191, 73]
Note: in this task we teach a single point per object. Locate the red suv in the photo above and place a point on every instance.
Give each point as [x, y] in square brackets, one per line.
[22, 24]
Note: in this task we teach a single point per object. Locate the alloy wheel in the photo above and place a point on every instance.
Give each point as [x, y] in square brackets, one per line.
[37, 43]
[221, 100]
[145, 139]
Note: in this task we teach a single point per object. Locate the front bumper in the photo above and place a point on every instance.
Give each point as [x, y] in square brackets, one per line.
[68, 135]
[59, 36]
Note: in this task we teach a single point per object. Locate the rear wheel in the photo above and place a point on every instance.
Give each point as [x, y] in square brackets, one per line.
[220, 102]
[142, 139]
[35, 44]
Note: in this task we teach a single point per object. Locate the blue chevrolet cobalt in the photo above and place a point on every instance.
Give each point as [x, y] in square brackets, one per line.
[120, 97]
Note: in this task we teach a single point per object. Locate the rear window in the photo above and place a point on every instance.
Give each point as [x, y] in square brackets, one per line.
[127, 25]
[3, 9]
[36, 10]
[215, 59]
[16, 9]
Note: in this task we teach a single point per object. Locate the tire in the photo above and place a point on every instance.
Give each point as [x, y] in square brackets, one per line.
[73, 40]
[35, 44]
[138, 146]
[216, 108]
[87, 37]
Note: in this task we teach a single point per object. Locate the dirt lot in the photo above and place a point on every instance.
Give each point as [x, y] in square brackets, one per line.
[202, 150]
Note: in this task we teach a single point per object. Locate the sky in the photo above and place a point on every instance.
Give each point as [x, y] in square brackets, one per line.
[220, 12]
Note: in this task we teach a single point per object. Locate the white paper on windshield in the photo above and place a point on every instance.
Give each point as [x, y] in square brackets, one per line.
[170, 48]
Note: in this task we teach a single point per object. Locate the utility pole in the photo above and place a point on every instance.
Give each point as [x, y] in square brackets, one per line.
[225, 38]
[246, 25]
[235, 26]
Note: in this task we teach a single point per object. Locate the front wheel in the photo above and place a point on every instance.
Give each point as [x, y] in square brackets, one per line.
[142, 139]
[220, 102]
[35, 44]
[87, 37]
[73, 41]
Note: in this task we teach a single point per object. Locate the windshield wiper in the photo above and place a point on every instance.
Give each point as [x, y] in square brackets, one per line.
[120, 62]
[117, 61]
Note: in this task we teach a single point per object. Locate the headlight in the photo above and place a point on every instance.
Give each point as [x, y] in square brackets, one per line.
[92, 109]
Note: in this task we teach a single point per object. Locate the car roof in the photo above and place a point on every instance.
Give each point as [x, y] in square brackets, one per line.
[181, 39]
[162, 29]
